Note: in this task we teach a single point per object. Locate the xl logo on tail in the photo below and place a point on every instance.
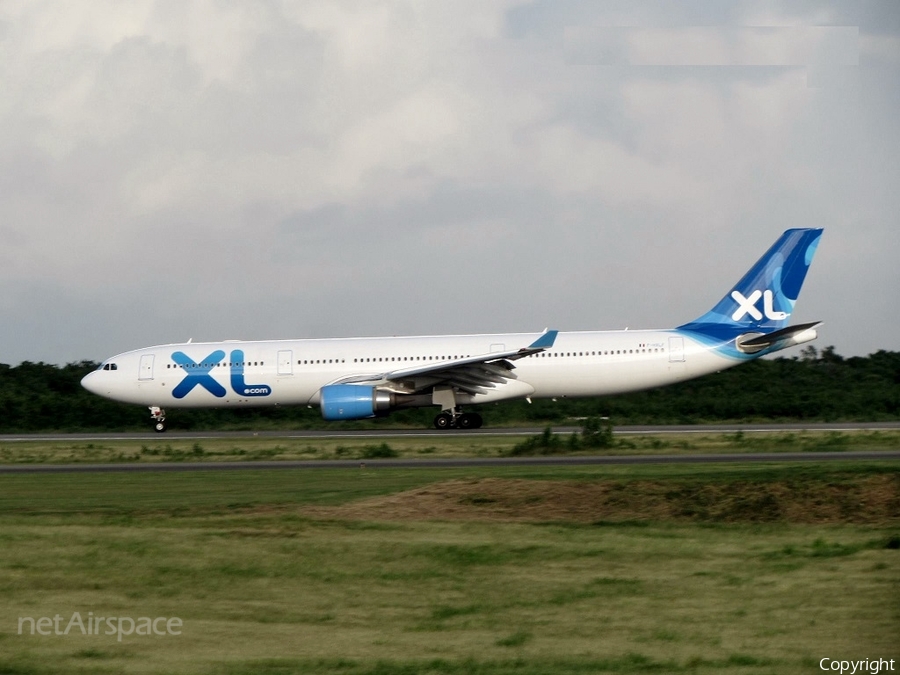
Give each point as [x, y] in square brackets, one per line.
[748, 306]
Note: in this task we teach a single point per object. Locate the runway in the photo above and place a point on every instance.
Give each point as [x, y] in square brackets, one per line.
[434, 434]
[452, 433]
[593, 460]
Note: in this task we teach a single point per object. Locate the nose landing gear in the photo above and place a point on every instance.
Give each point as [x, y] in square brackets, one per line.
[158, 416]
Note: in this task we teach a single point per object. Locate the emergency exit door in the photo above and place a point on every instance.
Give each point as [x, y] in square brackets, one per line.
[285, 362]
[146, 371]
[676, 350]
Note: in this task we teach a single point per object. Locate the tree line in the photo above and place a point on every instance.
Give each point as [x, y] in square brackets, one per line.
[814, 386]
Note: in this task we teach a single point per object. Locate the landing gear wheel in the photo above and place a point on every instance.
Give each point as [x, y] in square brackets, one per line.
[443, 421]
[159, 426]
[469, 421]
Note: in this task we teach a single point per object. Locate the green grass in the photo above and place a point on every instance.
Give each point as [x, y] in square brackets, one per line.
[179, 493]
[200, 492]
[263, 588]
[254, 448]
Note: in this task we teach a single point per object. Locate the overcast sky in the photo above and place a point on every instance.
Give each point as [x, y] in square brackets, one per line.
[250, 170]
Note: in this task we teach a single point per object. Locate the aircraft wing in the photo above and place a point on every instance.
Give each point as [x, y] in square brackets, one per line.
[473, 374]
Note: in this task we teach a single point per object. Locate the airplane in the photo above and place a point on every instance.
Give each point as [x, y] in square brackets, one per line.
[363, 378]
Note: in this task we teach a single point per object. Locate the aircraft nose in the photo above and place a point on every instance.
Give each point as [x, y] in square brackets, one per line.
[92, 383]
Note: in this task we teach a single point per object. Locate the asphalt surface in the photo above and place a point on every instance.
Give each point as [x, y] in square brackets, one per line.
[455, 462]
[174, 435]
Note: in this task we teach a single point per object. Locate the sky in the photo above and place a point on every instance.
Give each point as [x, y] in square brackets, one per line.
[215, 169]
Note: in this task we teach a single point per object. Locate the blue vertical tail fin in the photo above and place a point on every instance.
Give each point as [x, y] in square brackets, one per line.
[763, 300]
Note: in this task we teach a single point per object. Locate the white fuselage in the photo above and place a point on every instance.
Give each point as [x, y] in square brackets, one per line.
[359, 378]
[292, 372]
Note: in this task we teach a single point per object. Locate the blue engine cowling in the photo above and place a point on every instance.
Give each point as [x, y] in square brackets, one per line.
[353, 401]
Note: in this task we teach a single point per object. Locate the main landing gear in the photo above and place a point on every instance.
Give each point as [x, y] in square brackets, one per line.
[456, 419]
[158, 415]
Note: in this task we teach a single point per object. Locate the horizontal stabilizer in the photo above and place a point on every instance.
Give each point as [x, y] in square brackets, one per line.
[751, 343]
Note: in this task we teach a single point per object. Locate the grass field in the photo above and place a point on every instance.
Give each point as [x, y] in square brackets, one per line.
[747, 569]
[267, 448]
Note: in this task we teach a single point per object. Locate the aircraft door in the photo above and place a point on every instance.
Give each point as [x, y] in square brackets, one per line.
[676, 350]
[285, 362]
[146, 371]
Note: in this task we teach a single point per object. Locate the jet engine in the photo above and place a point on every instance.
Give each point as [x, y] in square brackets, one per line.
[354, 401]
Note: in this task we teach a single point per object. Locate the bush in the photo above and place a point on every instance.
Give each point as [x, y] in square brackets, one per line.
[547, 443]
[382, 451]
[597, 433]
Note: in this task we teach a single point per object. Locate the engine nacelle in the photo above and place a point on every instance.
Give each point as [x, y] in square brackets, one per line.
[353, 401]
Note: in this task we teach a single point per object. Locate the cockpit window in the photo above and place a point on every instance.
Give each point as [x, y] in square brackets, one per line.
[109, 366]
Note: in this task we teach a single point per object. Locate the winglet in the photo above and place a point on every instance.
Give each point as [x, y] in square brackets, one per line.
[545, 341]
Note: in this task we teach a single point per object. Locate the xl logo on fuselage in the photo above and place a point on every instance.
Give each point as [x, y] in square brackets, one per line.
[199, 374]
[748, 306]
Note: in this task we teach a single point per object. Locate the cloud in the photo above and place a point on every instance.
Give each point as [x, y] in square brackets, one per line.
[287, 169]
